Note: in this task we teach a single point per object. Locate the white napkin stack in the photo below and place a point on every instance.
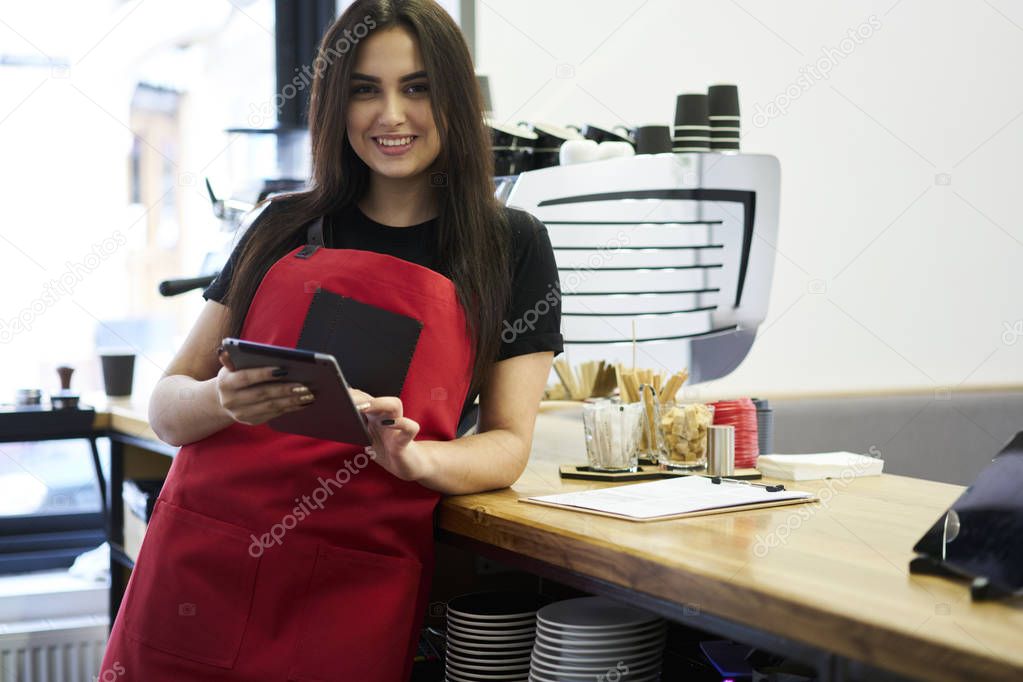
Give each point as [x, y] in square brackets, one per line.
[819, 465]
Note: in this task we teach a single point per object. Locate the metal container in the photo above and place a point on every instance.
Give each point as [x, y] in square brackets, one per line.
[765, 426]
[720, 450]
[28, 396]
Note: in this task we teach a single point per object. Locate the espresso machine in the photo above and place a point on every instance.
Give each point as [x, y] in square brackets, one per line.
[264, 160]
[656, 254]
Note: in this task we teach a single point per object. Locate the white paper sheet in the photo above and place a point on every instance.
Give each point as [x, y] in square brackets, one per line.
[669, 497]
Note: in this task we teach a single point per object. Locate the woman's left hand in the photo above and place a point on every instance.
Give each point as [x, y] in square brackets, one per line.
[394, 447]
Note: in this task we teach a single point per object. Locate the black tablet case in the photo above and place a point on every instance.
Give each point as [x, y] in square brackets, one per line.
[319, 419]
[373, 346]
[981, 535]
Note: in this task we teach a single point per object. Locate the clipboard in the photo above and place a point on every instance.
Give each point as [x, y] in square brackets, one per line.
[674, 498]
[646, 472]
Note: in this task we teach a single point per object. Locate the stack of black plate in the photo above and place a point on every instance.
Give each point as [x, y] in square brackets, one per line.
[490, 636]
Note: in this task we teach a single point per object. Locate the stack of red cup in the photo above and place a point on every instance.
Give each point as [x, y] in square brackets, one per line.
[742, 414]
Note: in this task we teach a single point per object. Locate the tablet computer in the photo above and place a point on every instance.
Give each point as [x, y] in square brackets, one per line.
[332, 415]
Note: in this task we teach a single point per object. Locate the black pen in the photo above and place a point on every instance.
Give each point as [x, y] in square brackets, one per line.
[778, 487]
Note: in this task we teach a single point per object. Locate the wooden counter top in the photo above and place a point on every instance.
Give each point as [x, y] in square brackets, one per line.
[831, 575]
[128, 415]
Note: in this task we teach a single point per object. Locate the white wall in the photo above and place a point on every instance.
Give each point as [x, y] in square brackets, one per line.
[919, 278]
[919, 285]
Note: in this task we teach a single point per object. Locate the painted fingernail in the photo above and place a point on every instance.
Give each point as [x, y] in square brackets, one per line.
[387, 422]
[299, 389]
[305, 398]
[362, 406]
[280, 372]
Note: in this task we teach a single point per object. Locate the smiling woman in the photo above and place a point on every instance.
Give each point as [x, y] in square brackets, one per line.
[259, 561]
[391, 122]
[398, 70]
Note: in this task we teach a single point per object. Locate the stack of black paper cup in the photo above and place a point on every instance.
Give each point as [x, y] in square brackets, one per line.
[765, 426]
[653, 139]
[723, 115]
[692, 129]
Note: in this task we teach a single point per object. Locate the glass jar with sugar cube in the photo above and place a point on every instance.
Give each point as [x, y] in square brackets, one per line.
[675, 433]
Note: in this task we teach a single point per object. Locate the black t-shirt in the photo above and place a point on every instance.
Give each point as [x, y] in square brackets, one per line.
[535, 274]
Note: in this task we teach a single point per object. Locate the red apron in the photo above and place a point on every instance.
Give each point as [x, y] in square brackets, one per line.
[272, 556]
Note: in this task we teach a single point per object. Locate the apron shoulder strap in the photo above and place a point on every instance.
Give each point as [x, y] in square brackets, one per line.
[314, 239]
[314, 235]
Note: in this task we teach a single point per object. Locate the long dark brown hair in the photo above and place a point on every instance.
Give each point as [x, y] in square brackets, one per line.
[473, 238]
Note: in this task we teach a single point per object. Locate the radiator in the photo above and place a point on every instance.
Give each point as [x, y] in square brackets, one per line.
[54, 650]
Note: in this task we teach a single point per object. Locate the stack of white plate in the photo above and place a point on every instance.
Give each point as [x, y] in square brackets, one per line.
[595, 638]
[490, 636]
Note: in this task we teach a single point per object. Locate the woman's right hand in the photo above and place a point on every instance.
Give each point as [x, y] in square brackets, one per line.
[254, 396]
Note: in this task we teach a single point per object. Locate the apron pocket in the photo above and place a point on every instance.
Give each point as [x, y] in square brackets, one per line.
[193, 588]
[358, 615]
[377, 357]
